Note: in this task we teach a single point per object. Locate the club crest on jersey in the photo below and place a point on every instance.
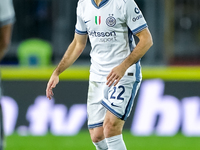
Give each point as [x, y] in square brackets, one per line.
[110, 21]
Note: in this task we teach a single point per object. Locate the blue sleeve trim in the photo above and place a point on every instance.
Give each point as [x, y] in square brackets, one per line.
[81, 32]
[139, 29]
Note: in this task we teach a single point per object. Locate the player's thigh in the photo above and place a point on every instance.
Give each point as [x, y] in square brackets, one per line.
[96, 112]
[112, 125]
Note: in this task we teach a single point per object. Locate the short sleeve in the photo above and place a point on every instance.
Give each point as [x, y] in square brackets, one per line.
[7, 14]
[134, 17]
[80, 24]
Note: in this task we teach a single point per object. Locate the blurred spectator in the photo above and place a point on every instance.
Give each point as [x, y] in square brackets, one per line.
[6, 21]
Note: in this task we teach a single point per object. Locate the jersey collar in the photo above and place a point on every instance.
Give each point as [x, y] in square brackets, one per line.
[103, 2]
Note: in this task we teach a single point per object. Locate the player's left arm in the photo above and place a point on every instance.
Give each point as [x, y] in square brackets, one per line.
[145, 42]
[5, 36]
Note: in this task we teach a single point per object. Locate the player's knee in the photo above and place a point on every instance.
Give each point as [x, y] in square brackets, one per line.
[111, 128]
[96, 138]
[96, 134]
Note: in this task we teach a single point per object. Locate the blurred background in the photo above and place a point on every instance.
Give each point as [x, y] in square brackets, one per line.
[174, 24]
[166, 110]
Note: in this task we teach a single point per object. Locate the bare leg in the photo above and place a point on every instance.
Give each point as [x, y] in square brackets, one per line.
[113, 132]
[98, 138]
[112, 125]
[96, 134]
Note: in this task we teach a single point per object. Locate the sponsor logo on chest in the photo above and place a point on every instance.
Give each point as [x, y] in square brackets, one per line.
[104, 35]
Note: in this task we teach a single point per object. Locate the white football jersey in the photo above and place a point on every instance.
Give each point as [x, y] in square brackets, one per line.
[6, 12]
[110, 27]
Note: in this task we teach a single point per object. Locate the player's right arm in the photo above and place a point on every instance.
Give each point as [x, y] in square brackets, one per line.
[72, 53]
[7, 18]
[5, 36]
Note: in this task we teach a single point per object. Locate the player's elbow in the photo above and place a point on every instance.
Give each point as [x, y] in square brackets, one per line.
[80, 47]
[80, 50]
[150, 41]
[145, 38]
[147, 42]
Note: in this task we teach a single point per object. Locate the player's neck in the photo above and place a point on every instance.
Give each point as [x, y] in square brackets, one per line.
[97, 2]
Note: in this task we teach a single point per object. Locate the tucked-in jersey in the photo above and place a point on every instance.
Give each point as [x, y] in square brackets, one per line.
[110, 27]
[6, 12]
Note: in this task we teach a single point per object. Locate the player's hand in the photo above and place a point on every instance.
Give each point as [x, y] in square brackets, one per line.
[53, 81]
[115, 75]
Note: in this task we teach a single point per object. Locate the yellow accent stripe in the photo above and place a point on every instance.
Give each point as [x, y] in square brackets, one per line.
[172, 73]
[21, 73]
[82, 73]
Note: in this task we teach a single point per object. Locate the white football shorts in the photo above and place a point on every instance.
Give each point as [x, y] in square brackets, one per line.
[117, 99]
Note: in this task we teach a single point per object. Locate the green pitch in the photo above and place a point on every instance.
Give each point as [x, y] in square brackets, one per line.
[82, 142]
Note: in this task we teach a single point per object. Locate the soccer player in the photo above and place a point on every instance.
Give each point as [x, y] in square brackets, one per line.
[115, 71]
[6, 21]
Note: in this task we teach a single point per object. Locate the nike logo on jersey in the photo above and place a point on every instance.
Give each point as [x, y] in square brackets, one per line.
[112, 104]
[87, 21]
